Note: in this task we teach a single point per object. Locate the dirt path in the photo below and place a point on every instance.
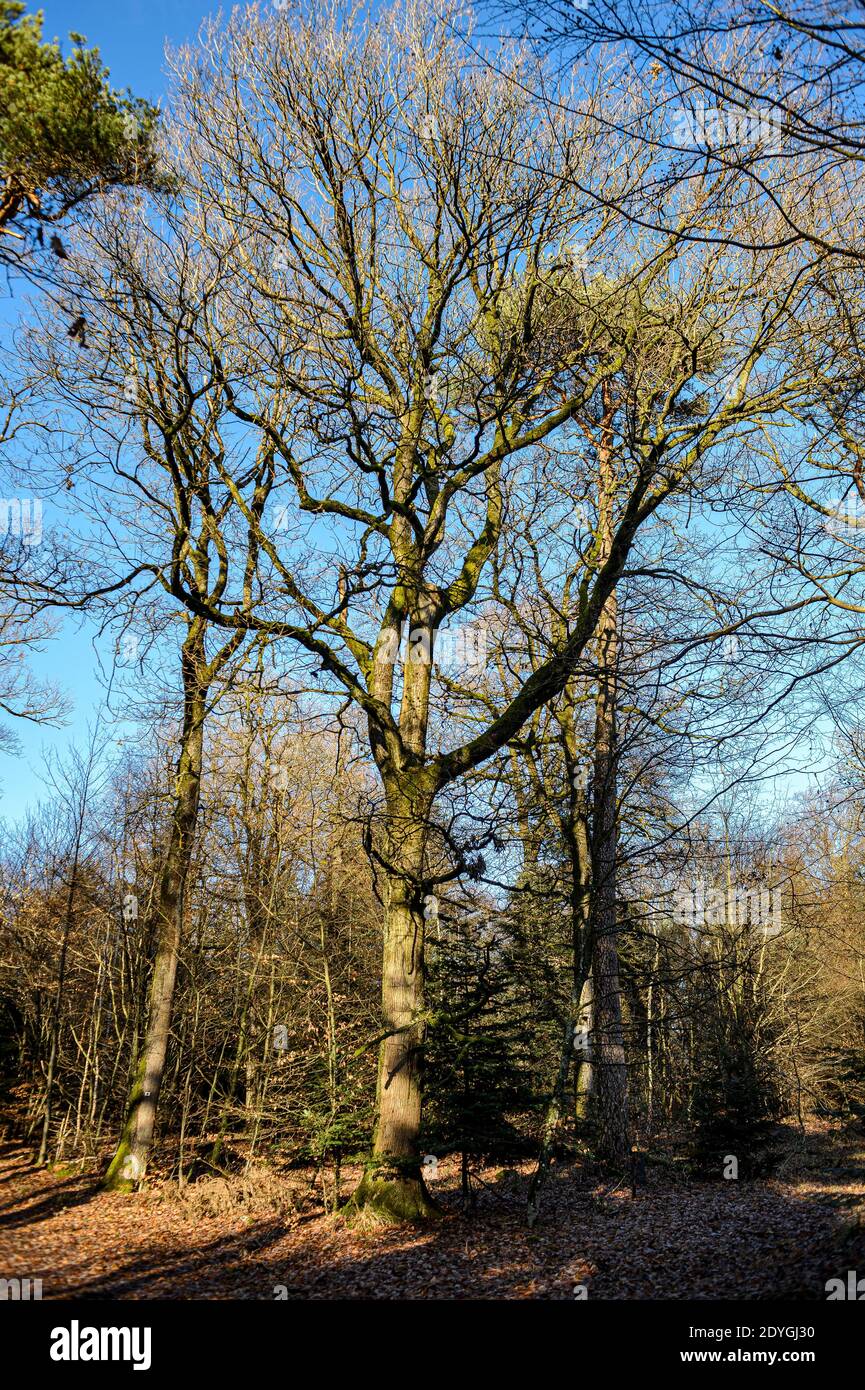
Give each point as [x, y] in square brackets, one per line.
[678, 1239]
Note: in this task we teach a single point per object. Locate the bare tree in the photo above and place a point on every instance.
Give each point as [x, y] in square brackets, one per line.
[408, 239]
[162, 533]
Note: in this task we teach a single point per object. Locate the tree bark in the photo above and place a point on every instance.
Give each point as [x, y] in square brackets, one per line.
[392, 1185]
[610, 1065]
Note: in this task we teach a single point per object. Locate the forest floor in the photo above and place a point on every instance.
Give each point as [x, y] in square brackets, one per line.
[223, 1238]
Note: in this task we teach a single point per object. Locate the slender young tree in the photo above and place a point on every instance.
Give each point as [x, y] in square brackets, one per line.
[198, 674]
[163, 538]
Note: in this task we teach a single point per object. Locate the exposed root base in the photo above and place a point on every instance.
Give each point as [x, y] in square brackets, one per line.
[384, 1198]
[118, 1185]
[125, 1170]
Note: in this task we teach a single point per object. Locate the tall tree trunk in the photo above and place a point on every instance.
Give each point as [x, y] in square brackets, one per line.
[610, 1066]
[133, 1151]
[392, 1184]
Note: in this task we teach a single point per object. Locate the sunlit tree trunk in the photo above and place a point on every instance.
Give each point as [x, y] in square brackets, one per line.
[393, 1185]
[585, 1068]
[611, 1074]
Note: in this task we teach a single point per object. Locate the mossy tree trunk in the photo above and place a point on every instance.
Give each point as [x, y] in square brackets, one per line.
[392, 1185]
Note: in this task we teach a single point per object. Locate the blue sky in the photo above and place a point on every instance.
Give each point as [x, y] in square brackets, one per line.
[131, 36]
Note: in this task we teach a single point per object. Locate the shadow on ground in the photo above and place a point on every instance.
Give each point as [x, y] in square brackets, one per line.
[677, 1239]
